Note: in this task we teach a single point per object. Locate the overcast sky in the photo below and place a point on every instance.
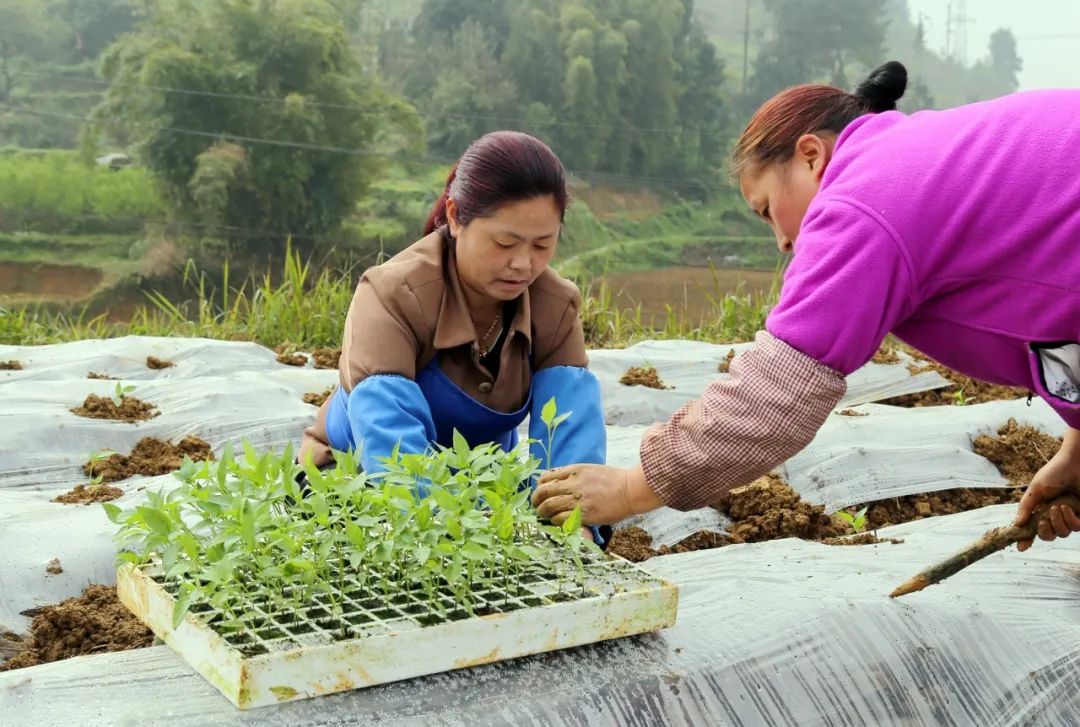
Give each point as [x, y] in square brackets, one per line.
[1047, 32]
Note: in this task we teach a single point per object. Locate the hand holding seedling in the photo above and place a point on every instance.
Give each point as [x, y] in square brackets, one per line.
[605, 494]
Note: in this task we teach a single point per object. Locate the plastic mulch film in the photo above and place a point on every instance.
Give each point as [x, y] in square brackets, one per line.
[780, 633]
[688, 367]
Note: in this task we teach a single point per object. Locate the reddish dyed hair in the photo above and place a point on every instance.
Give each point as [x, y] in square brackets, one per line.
[771, 135]
[496, 169]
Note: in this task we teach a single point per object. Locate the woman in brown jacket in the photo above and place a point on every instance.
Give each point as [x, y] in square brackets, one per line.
[469, 328]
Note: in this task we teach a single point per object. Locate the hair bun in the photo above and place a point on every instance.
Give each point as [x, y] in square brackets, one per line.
[883, 87]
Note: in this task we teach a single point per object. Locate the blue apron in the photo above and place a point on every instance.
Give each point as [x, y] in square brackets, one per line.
[452, 408]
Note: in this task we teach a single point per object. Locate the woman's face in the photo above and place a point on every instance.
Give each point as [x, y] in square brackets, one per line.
[781, 193]
[499, 256]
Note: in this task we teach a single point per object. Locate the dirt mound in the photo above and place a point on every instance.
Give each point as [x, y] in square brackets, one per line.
[292, 359]
[635, 544]
[11, 365]
[769, 509]
[100, 377]
[643, 376]
[157, 364]
[852, 413]
[725, 365]
[965, 390]
[92, 623]
[896, 510]
[103, 407]
[326, 358]
[317, 399]
[89, 494]
[1017, 451]
[150, 457]
[886, 355]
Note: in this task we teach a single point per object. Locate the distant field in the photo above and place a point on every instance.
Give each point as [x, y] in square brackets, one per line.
[687, 290]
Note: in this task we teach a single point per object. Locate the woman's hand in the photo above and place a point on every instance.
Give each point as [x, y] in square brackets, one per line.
[606, 495]
[1060, 474]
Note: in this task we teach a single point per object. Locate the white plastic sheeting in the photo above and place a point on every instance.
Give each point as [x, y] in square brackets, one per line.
[690, 366]
[779, 633]
[776, 633]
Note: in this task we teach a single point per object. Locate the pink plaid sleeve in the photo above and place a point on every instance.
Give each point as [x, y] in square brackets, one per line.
[742, 427]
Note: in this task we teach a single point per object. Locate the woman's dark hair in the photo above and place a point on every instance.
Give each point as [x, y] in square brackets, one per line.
[498, 168]
[770, 136]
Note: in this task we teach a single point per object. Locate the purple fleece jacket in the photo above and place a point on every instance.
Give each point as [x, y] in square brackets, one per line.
[957, 230]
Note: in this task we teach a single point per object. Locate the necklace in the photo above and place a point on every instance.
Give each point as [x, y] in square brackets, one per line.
[481, 343]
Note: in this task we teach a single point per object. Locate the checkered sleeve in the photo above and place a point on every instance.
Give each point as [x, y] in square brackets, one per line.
[742, 427]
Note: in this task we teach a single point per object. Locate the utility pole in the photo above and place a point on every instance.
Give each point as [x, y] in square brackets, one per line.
[962, 21]
[948, 31]
[745, 47]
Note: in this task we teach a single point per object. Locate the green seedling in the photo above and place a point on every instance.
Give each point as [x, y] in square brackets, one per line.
[238, 532]
[959, 399]
[120, 392]
[856, 521]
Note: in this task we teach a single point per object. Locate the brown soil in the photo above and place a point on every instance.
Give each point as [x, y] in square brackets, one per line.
[150, 457]
[11, 366]
[896, 510]
[153, 362]
[48, 281]
[974, 391]
[326, 358]
[92, 623]
[861, 539]
[103, 407]
[292, 359]
[886, 355]
[725, 365]
[643, 376]
[317, 399]
[89, 494]
[768, 509]
[852, 413]
[103, 377]
[1017, 451]
[635, 544]
[54, 568]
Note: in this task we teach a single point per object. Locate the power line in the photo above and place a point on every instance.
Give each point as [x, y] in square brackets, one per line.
[386, 110]
[599, 176]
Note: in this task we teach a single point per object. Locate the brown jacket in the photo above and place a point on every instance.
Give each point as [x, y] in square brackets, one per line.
[411, 308]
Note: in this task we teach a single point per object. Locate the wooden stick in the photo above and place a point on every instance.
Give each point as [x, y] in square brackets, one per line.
[991, 542]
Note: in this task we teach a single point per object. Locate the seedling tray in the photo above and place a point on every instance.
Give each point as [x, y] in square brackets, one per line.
[384, 637]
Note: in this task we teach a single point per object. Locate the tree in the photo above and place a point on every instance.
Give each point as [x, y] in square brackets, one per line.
[24, 32]
[93, 24]
[1004, 59]
[819, 39]
[251, 114]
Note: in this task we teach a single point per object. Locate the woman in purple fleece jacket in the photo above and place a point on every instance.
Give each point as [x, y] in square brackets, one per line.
[958, 231]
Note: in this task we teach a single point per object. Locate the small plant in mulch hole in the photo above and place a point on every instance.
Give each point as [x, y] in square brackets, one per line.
[316, 398]
[725, 365]
[855, 520]
[643, 376]
[150, 456]
[100, 377]
[96, 490]
[286, 354]
[121, 406]
[476, 531]
[91, 623]
[11, 366]
[157, 364]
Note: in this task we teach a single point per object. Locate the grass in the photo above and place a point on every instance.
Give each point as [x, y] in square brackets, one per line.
[308, 309]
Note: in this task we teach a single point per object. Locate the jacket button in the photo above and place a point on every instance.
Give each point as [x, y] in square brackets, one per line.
[485, 387]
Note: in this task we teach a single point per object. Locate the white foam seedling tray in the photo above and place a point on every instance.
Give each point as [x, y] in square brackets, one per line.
[277, 657]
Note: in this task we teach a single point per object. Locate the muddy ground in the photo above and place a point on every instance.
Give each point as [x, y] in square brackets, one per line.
[89, 494]
[157, 364]
[11, 365]
[103, 407]
[316, 398]
[965, 390]
[769, 509]
[643, 376]
[326, 358]
[92, 623]
[150, 456]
